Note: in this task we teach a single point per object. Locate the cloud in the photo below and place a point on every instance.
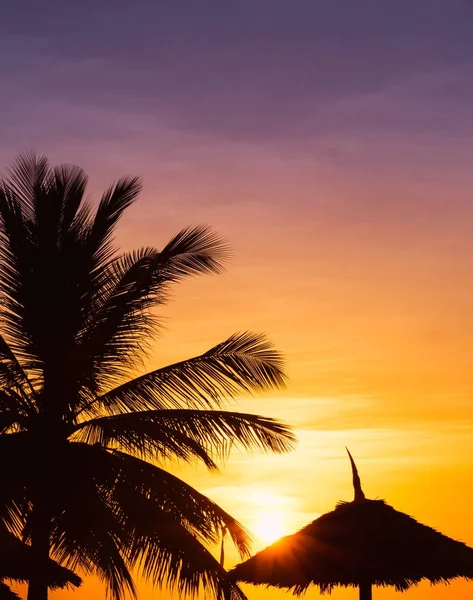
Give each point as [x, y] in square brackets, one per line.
[246, 73]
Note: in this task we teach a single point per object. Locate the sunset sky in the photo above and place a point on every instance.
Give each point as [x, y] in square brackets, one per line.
[331, 142]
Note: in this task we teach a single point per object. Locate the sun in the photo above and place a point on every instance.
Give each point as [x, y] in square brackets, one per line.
[270, 527]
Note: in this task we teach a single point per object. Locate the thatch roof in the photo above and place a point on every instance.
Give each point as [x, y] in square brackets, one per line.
[17, 562]
[360, 543]
[364, 541]
[7, 594]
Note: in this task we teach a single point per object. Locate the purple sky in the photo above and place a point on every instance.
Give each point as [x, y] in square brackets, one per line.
[204, 96]
[332, 142]
[265, 71]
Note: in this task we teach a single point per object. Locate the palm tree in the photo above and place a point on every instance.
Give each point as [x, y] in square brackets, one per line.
[17, 563]
[82, 438]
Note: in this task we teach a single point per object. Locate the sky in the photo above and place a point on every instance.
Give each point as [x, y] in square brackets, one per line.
[331, 143]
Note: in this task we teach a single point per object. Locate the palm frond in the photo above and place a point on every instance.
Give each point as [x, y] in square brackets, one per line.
[38, 257]
[114, 202]
[167, 544]
[204, 517]
[128, 500]
[25, 180]
[15, 266]
[147, 439]
[68, 184]
[96, 555]
[172, 557]
[245, 362]
[17, 473]
[88, 533]
[120, 320]
[187, 434]
[193, 251]
[13, 376]
[13, 412]
[185, 564]
[136, 510]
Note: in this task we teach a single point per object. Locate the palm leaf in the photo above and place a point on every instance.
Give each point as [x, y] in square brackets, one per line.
[129, 505]
[168, 524]
[26, 180]
[153, 522]
[187, 434]
[69, 184]
[38, 257]
[15, 273]
[88, 533]
[112, 205]
[145, 439]
[137, 479]
[14, 381]
[16, 471]
[119, 320]
[173, 557]
[193, 251]
[76, 545]
[245, 362]
[13, 413]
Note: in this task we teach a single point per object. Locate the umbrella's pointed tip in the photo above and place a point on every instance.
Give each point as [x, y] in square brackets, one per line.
[352, 461]
[359, 494]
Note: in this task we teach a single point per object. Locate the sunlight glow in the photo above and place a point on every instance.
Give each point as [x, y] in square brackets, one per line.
[270, 527]
[271, 512]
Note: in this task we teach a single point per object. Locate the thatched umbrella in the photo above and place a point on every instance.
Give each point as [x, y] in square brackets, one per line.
[361, 543]
[17, 562]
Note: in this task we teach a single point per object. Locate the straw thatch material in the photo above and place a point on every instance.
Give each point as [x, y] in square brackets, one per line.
[7, 594]
[17, 562]
[360, 543]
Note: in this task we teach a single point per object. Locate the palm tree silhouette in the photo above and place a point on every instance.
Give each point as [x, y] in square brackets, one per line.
[82, 438]
[17, 564]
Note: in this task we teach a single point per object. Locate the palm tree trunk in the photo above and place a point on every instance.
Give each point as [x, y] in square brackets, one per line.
[365, 591]
[38, 583]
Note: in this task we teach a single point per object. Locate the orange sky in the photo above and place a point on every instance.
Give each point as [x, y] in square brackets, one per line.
[332, 145]
[374, 321]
